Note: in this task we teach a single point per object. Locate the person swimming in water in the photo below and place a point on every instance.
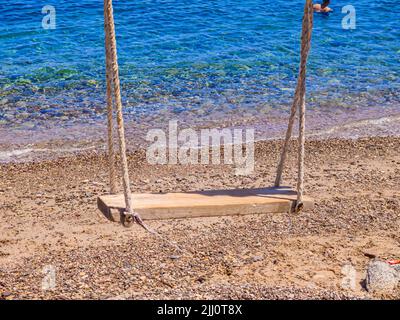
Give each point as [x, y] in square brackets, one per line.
[323, 7]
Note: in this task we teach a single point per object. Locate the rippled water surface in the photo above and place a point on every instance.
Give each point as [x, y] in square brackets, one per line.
[193, 59]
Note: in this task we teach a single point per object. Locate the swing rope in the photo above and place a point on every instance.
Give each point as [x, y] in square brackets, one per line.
[114, 97]
[113, 84]
[299, 102]
[110, 126]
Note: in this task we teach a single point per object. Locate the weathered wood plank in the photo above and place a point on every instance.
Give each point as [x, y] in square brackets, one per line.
[204, 203]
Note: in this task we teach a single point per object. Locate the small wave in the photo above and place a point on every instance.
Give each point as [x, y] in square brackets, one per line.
[8, 155]
[369, 127]
[20, 154]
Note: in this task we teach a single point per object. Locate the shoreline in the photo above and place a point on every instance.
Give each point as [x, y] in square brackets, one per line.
[51, 143]
[49, 217]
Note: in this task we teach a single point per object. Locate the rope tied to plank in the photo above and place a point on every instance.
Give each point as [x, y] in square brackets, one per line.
[299, 102]
[113, 86]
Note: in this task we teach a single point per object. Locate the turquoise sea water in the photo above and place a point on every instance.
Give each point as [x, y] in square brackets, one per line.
[193, 58]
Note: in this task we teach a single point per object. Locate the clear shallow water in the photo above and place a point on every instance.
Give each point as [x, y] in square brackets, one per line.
[193, 59]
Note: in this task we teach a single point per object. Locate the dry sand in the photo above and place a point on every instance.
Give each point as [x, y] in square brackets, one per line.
[49, 218]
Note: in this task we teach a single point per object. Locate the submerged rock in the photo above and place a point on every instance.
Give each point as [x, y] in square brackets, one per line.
[381, 278]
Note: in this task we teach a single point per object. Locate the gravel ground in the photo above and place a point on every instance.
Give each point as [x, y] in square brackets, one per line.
[49, 221]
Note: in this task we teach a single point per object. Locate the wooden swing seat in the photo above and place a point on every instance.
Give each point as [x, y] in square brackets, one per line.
[156, 206]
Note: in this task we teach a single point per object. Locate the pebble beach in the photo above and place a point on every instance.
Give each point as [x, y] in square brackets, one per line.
[50, 220]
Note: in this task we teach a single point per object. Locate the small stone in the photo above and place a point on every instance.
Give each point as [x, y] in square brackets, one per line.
[257, 258]
[371, 255]
[173, 257]
[381, 277]
[5, 294]
[3, 101]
